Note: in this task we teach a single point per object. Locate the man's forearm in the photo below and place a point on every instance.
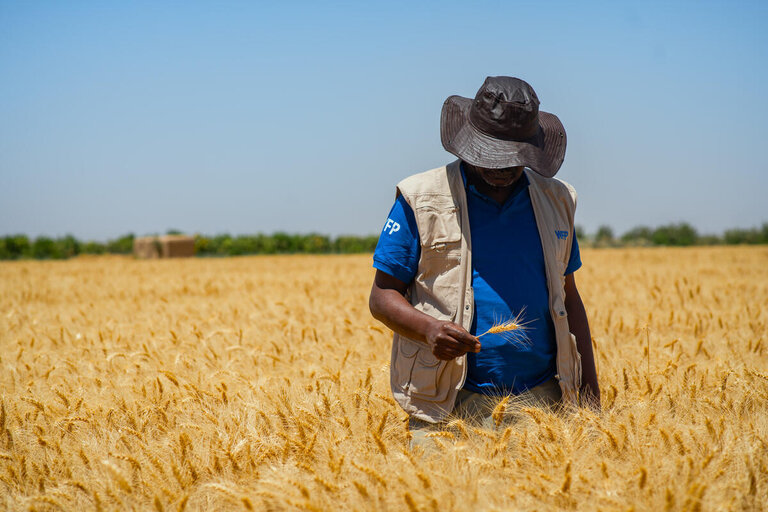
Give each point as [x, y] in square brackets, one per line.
[580, 329]
[579, 326]
[389, 307]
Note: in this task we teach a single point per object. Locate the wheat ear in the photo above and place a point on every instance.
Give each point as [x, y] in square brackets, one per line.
[506, 328]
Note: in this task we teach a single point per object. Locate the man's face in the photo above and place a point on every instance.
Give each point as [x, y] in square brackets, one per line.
[497, 178]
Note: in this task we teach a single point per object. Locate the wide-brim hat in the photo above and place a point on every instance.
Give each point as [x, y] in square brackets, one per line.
[503, 127]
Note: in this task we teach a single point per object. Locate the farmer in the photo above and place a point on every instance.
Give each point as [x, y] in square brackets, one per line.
[485, 239]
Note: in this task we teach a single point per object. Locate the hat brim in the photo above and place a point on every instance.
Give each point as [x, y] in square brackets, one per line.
[543, 153]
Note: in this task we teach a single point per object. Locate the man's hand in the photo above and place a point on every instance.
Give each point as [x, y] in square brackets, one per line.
[446, 340]
[449, 341]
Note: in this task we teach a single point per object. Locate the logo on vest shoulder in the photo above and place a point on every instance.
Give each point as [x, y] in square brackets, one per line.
[392, 226]
[561, 235]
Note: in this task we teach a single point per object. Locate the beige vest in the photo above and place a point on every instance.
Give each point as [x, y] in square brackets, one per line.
[424, 386]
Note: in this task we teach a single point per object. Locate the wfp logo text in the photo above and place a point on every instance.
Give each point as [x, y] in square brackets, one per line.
[392, 226]
[561, 235]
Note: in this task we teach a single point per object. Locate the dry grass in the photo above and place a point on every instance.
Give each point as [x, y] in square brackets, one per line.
[262, 384]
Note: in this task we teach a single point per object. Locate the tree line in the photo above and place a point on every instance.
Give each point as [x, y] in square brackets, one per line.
[16, 247]
[13, 247]
[681, 234]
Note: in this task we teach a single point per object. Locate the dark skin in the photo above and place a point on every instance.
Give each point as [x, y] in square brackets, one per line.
[448, 340]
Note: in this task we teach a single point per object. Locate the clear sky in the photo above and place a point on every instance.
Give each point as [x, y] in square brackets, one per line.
[247, 117]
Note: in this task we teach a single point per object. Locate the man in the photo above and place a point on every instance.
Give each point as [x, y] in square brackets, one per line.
[487, 238]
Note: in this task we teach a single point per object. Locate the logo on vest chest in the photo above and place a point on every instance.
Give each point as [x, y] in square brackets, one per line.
[561, 235]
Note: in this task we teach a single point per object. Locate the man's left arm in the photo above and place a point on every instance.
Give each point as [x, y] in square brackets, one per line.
[579, 326]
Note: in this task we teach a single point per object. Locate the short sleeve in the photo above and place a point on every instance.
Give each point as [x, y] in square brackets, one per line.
[574, 263]
[398, 250]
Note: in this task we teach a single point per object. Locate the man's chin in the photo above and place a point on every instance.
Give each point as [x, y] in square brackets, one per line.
[500, 181]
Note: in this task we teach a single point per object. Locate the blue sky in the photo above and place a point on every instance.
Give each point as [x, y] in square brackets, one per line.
[247, 117]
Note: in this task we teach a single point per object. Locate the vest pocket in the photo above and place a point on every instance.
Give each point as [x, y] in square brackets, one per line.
[426, 373]
[404, 357]
[438, 278]
[439, 228]
[417, 370]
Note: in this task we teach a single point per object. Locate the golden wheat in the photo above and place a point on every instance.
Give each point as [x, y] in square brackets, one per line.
[262, 383]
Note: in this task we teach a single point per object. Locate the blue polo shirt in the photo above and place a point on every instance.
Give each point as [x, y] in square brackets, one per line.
[508, 277]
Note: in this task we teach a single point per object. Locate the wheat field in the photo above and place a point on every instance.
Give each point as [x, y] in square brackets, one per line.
[261, 383]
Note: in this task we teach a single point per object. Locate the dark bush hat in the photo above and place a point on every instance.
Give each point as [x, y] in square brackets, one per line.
[503, 127]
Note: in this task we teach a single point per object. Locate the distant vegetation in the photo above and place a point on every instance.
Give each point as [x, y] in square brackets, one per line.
[679, 235]
[16, 247]
[282, 243]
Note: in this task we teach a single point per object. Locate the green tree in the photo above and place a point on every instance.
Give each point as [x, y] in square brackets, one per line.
[369, 243]
[202, 245]
[640, 235]
[348, 245]
[44, 248]
[266, 244]
[221, 244]
[604, 235]
[355, 244]
[682, 234]
[68, 246]
[747, 236]
[315, 244]
[122, 245]
[245, 244]
[284, 243]
[93, 248]
[15, 247]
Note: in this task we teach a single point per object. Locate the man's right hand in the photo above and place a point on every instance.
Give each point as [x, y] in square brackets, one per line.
[448, 340]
